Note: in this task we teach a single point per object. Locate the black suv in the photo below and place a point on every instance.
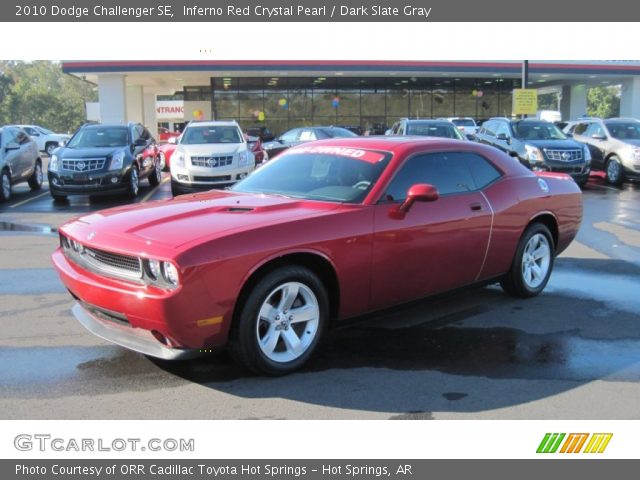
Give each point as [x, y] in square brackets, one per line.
[105, 159]
[539, 145]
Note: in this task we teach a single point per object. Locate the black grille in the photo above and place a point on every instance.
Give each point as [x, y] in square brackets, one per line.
[83, 164]
[105, 314]
[212, 162]
[114, 260]
[221, 178]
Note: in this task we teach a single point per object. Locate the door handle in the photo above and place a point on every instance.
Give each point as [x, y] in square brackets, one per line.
[475, 207]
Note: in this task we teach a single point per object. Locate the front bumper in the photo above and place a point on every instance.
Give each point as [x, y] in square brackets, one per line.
[202, 178]
[137, 316]
[95, 183]
[136, 339]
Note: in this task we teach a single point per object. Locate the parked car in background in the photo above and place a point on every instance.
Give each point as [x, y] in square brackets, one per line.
[296, 136]
[327, 231]
[551, 116]
[262, 132]
[46, 140]
[427, 128]
[165, 151]
[357, 129]
[466, 125]
[104, 159]
[614, 145]
[255, 145]
[539, 145]
[210, 154]
[19, 161]
[164, 134]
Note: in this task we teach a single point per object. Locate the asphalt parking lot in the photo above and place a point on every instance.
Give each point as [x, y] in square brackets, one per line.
[571, 353]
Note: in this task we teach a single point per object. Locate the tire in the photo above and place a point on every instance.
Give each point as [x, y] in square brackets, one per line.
[582, 183]
[163, 161]
[134, 182]
[155, 177]
[5, 186]
[58, 197]
[269, 341]
[522, 280]
[50, 147]
[613, 169]
[175, 189]
[35, 180]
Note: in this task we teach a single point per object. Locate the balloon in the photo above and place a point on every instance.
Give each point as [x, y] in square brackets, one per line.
[474, 93]
[198, 114]
[282, 102]
[336, 102]
[480, 93]
[261, 116]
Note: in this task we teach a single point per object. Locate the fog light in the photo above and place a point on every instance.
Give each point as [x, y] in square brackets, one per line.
[184, 178]
[55, 181]
[114, 179]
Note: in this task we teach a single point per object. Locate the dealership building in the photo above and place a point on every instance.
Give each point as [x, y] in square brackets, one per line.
[368, 94]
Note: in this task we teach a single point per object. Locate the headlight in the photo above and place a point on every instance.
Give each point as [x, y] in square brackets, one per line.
[178, 160]
[587, 154]
[154, 269]
[533, 154]
[244, 159]
[170, 273]
[117, 160]
[54, 163]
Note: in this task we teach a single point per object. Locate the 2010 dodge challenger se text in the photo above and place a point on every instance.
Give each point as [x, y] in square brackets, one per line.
[327, 231]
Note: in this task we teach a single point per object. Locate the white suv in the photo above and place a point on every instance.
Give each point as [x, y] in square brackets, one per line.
[210, 154]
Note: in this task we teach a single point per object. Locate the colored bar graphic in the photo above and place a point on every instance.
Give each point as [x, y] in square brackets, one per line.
[597, 443]
[550, 443]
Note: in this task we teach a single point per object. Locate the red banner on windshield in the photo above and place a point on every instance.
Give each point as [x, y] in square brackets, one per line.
[357, 153]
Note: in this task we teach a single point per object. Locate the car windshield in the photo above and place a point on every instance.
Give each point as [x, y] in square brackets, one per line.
[338, 132]
[99, 137]
[444, 130]
[334, 174]
[199, 135]
[537, 131]
[463, 122]
[624, 131]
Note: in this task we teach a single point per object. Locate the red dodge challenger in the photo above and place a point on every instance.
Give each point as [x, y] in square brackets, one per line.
[327, 231]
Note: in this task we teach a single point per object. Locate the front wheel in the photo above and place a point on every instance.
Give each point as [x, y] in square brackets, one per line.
[281, 322]
[615, 175]
[134, 182]
[155, 177]
[532, 264]
[50, 148]
[5, 186]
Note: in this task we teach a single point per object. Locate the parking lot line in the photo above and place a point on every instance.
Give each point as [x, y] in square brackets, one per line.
[28, 200]
[155, 189]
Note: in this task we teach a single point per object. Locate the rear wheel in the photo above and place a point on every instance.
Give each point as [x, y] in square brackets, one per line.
[532, 264]
[281, 322]
[35, 181]
[615, 175]
[163, 161]
[5, 186]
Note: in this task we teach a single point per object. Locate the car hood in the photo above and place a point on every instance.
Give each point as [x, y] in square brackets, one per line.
[188, 220]
[212, 148]
[635, 143]
[552, 144]
[97, 152]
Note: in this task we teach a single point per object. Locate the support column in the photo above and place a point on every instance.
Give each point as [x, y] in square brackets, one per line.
[149, 113]
[135, 111]
[574, 102]
[113, 98]
[630, 98]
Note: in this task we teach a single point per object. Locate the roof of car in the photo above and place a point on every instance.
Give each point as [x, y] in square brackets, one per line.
[620, 119]
[213, 123]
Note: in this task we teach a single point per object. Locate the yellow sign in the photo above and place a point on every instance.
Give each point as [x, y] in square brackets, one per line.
[525, 101]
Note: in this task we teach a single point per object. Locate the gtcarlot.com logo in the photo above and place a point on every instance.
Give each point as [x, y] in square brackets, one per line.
[574, 443]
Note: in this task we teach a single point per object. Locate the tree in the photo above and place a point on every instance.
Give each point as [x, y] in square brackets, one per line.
[603, 102]
[40, 93]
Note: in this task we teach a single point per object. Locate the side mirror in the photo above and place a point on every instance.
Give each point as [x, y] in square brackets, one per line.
[502, 136]
[12, 146]
[598, 136]
[420, 192]
[173, 140]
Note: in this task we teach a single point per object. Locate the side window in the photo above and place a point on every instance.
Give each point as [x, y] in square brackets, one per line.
[502, 128]
[482, 170]
[307, 135]
[146, 134]
[8, 135]
[291, 135]
[22, 138]
[448, 172]
[31, 131]
[595, 129]
[580, 128]
[401, 129]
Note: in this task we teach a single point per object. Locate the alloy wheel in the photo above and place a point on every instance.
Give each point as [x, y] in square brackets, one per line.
[536, 260]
